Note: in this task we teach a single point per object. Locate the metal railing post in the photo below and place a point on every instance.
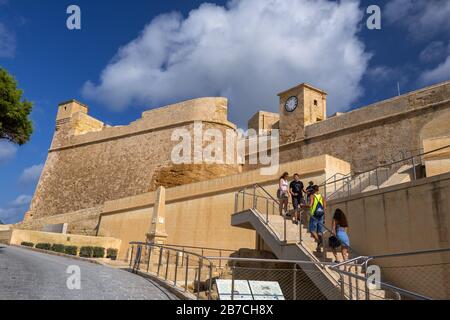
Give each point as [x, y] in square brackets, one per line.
[357, 283]
[366, 286]
[186, 274]
[377, 178]
[349, 186]
[232, 283]
[414, 168]
[167, 265]
[325, 248]
[220, 261]
[159, 260]
[342, 282]
[285, 229]
[254, 197]
[267, 211]
[350, 284]
[149, 257]
[300, 218]
[210, 281]
[182, 260]
[294, 288]
[176, 269]
[200, 265]
[236, 201]
[131, 256]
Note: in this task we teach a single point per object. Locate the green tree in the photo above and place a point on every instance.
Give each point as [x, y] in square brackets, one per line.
[15, 125]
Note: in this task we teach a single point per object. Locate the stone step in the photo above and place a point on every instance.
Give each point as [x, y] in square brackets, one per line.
[277, 223]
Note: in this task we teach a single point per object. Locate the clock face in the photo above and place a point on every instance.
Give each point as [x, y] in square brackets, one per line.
[291, 104]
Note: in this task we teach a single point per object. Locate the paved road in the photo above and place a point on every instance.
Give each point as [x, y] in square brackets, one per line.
[30, 275]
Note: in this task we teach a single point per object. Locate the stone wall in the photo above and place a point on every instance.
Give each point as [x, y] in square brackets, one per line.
[408, 217]
[35, 237]
[375, 134]
[87, 166]
[199, 214]
[83, 222]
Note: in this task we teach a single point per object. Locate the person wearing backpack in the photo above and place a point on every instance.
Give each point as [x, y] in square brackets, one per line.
[316, 206]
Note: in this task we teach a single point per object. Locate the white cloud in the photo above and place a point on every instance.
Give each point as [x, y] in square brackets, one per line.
[7, 151]
[426, 20]
[422, 18]
[7, 42]
[21, 200]
[15, 210]
[435, 51]
[31, 175]
[438, 74]
[247, 51]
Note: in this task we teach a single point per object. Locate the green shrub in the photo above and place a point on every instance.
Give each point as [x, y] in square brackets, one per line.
[111, 253]
[71, 250]
[98, 252]
[86, 252]
[58, 248]
[27, 244]
[44, 246]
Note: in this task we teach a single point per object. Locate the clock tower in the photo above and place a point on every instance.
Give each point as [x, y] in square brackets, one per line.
[299, 107]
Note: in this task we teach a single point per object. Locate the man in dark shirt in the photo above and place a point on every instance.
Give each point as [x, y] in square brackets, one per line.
[309, 190]
[296, 189]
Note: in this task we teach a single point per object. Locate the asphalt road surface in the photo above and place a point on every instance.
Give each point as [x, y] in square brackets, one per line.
[29, 275]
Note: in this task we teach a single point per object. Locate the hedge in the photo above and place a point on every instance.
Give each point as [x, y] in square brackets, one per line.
[111, 253]
[98, 252]
[27, 244]
[44, 246]
[58, 248]
[71, 250]
[86, 252]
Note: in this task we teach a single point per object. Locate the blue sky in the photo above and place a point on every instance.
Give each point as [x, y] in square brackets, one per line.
[246, 50]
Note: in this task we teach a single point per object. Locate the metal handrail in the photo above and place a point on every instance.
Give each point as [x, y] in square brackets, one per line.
[366, 259]
[266, 192]
[272, 260]
[272, 198]
[333, 267]
[198, 248]
[395, 162]
[201, 261]
[170, 248]
[412, 253]
[384, 286]
[336, 175]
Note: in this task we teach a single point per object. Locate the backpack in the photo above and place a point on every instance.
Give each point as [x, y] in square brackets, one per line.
[320, 211]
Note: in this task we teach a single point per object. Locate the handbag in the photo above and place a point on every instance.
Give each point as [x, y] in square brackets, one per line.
[334, 242]
[282, 194]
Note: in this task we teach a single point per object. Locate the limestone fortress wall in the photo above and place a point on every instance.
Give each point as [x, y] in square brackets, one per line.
[374, 135]
[89, 163]
[101, 179]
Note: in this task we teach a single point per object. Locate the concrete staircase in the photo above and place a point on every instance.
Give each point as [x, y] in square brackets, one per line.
[373, 180]
[325, 279]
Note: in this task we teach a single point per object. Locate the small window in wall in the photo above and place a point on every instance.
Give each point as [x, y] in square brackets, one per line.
[316, 103]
